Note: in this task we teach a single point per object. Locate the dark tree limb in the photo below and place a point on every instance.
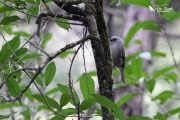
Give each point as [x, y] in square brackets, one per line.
[69, 8]
[66, 16]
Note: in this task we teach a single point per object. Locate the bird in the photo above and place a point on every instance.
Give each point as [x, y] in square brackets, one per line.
[117, 51]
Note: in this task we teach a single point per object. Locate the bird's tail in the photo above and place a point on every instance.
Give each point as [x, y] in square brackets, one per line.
[122, 76]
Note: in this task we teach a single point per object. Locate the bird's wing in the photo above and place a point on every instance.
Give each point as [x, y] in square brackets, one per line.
[122, 53]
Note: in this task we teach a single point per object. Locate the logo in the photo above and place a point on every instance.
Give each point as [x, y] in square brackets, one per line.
[118, 4]
[151, 9]
[159, 9]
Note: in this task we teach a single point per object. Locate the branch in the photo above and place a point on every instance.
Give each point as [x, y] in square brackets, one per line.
[66, 16]
[39, 48]
[71, 83]
[75, 2]
[47, 8]
[170, 35]
[115, 12]
[69, 8]
[75, 43]
[39, 70]
[168, 41]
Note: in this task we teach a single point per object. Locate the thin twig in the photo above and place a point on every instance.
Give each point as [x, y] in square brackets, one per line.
[71, 83]
[84, 60]
[160, 107]
[43, 51]
[47, 8]
[50, 24]
[168, 41]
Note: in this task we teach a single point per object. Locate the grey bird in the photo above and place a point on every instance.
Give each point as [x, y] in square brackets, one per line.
[118, 54]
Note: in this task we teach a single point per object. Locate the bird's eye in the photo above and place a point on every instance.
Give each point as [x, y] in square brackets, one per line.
[114, 39]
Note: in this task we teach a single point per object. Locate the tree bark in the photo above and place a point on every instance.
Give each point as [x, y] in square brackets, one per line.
[96, 27]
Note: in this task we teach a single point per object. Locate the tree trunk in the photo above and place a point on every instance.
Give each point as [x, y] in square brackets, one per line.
[96, 26]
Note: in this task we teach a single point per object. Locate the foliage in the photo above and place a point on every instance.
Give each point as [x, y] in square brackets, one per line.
[15, 77]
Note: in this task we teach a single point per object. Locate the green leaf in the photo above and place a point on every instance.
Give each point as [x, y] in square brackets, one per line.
[144, 3]
[17, 75]
[66, 53]
[86, 104]
[92, 73]
[137, 67]
[10, 19]
[171, 76]
[21, 51]
[139, 42]
[26, 113]
[116, 72]
[164, 96]
[136, 117]
[65, 98]
[46, 38]
[162, 72]
[50, 73]
[177, 14]
[5, 8]
[39, 78]
[54, 90]
[33, 11]
[17, 2]
[87, 86]
[132, 56]
[22, 33]
[68, 111]
[150, 85]
[63, 88]
[76, 97]
[98, 112]
[57, 117]
[160, 116]
[8, 29]
[30, 1]
[148, 25]
[28, 94]
[170, 16]
[63, 23]
[153, 53]
[116, 111]
[158, 54]
[31, 55]
[125, 98]
[13, 87]
[8, 49]
[161, 3]
[174, 111]
[9, 105]
[38, 2]
[66, 90]
[51, 102]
